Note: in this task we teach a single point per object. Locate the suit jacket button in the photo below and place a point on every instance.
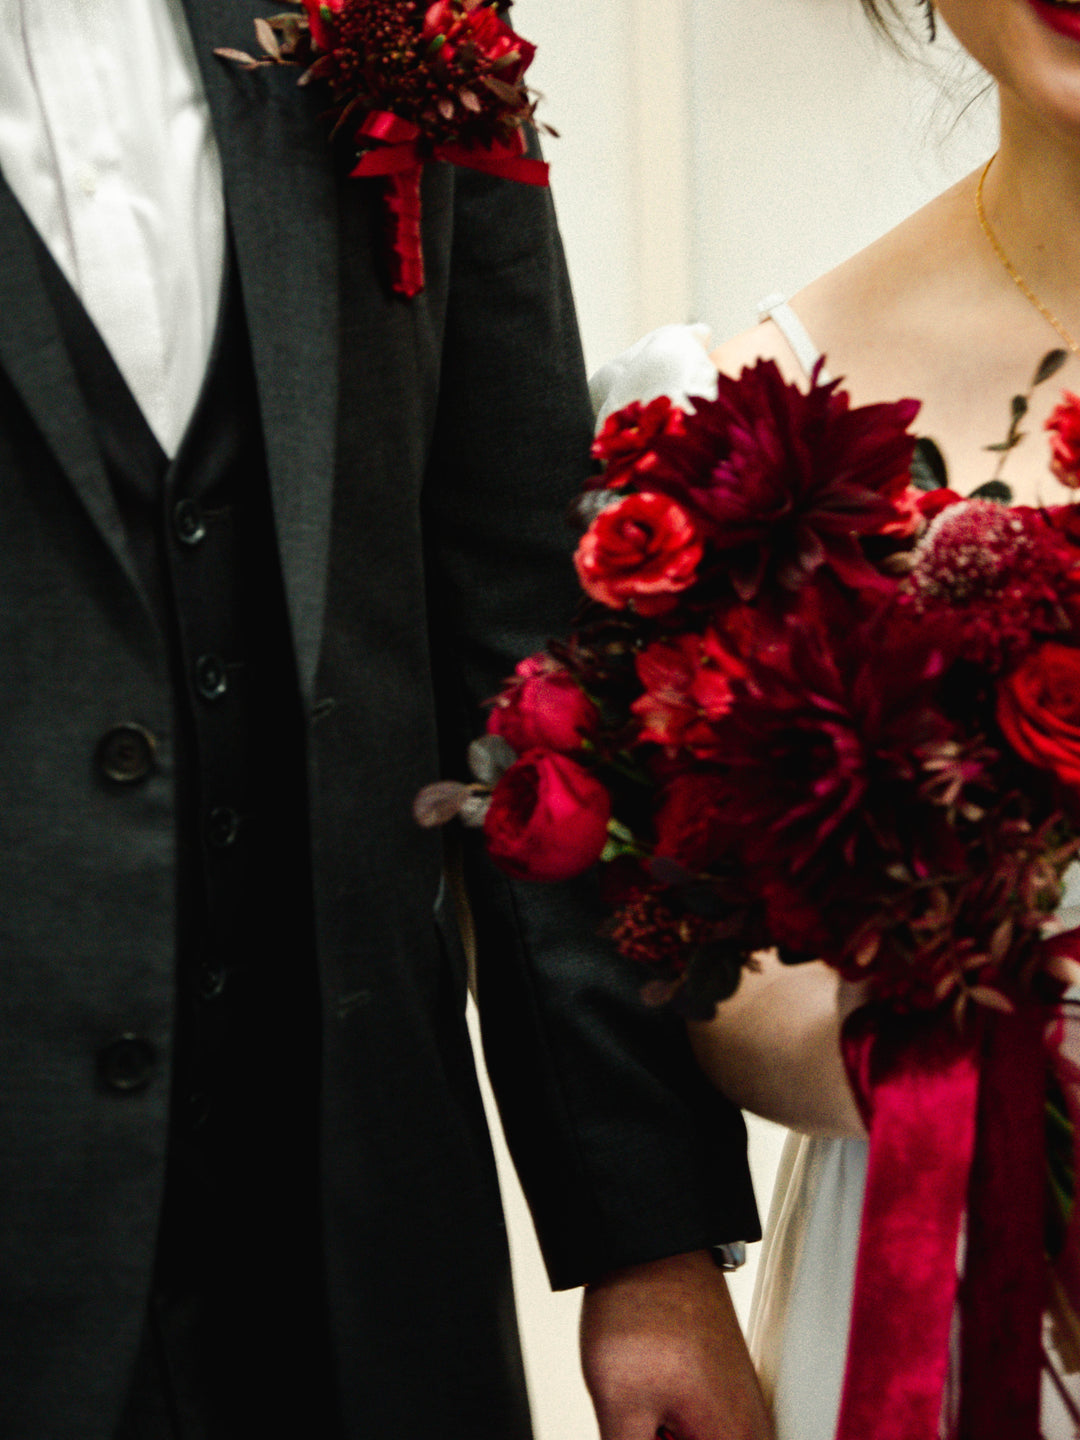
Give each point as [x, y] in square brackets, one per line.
[222, 826]
[126, 754]
[126, 1064]
[211, 979]
[211, 679]
[188, 523]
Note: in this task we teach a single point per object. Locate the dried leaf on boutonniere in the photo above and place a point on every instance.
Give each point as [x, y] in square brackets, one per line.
[411, 83]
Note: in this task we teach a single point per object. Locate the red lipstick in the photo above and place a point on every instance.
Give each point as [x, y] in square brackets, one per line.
[1064, 19]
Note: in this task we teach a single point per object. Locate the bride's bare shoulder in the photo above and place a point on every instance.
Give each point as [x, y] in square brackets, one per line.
[882, 302]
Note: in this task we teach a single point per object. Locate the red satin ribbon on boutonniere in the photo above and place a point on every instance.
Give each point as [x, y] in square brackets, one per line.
[956, 1124]
[399, 157]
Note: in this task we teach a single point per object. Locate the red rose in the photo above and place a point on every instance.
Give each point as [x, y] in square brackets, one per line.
[625, 443]
[687, 682]
[547, 819]
[690, 825]
[543, 708]
[321, 15]
[644, 549]
[1064, 427]
[1038, 709]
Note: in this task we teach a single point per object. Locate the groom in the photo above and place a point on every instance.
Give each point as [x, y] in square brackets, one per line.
[270, 535]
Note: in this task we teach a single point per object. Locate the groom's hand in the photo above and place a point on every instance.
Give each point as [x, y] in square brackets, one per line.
[661, 1347]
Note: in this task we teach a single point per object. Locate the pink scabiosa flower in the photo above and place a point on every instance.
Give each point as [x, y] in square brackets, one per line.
[1000, 577]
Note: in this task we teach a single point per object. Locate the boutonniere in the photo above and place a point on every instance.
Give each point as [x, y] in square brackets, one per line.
[411, 83]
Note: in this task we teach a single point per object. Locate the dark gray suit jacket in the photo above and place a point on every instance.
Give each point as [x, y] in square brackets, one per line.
[421, 456]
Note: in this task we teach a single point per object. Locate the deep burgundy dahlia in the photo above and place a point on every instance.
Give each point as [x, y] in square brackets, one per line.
[787, 481]
[830, 748]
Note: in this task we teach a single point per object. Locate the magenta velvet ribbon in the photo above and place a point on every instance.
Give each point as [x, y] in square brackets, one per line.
[401, 157]
[956, 1124]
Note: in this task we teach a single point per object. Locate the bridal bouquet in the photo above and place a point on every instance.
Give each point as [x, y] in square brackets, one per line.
[807, 704]
[816, 700]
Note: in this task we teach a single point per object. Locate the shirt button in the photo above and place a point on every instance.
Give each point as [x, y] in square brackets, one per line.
[86, 177]
[211, 679]
[126, 754]
[126, 1064]
[189, 526]
[222, 826]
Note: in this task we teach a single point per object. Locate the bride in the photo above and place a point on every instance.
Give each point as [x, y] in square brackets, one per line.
[955, 306]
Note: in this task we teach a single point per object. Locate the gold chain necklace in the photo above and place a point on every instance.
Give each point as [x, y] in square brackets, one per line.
[1011, 270]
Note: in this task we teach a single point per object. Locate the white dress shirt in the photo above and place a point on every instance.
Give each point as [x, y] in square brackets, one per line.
[105, 139]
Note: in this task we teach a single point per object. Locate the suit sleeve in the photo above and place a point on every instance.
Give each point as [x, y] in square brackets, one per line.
[624, 1152]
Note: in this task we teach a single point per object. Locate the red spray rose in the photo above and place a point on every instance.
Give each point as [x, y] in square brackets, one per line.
[625, 443]
[548, 818]
[644, 550]
[543, 708]
[1064, 427]
[1038, 709]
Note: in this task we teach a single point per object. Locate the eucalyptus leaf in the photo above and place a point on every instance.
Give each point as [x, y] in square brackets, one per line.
[1019, 406]
[1049, 365]
[490, 756]
[439, 803]
[264, 32]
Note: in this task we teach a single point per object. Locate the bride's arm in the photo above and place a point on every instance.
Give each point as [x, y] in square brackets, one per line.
[774, 1047]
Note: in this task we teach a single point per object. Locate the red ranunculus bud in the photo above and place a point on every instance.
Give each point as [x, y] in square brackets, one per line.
[644, 550]
[321, 15]
[548, 818]
[1064, 427]
[1038, 709]
[543, 707]
[933, 502]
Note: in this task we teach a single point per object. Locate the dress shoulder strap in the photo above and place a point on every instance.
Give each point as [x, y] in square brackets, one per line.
[776, 309]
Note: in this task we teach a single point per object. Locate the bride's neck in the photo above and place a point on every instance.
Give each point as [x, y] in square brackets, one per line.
[1032, 200]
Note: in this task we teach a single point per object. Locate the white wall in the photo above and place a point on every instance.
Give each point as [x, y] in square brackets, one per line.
[712, 151]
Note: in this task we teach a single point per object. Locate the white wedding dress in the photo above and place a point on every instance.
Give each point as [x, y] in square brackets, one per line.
[801, 1310]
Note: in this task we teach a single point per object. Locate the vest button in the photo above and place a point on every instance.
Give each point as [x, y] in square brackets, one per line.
[188, 523]
[211, 678]
[126, 1064]
[211, 979]
[222, 826]
[126, 754]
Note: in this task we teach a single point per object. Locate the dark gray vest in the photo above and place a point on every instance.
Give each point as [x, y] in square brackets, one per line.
[238, 1289]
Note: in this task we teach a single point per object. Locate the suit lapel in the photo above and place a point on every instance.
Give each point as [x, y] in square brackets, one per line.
[35, 359]
[282, 203]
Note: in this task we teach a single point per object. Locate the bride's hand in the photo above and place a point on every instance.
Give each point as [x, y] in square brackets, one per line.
[774, 1047]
